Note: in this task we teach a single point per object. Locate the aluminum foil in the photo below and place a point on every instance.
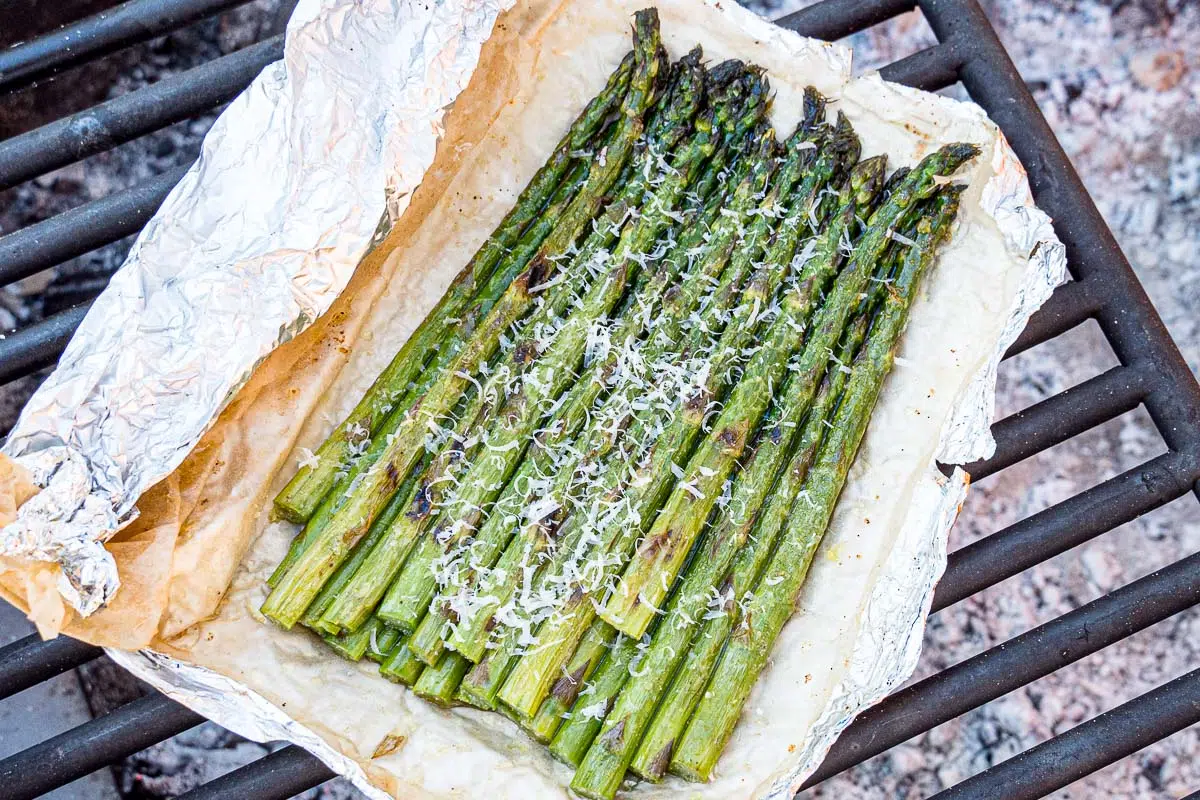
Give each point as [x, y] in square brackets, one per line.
[256, 241]
[238, 709]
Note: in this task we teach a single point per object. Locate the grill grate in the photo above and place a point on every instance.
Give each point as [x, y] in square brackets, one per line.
[1152, 373]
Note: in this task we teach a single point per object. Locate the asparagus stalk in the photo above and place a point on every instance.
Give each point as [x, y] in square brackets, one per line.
[462, 592]
[381, 646]
[376, 444]
[577, 733]
[300, 583]
[482, 682]
[410, 595]
[604, 767]
[530, 678]
[492, 589]
[299, 499]
[439, 683]
[651, 573]
[747, 650]
[401, 666]
[579, 669]
[353, 646]
[379, 570]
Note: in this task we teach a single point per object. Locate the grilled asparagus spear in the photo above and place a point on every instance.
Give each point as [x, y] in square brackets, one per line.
[301, 582]
[746, 652]
[474, 284]
[530, 678]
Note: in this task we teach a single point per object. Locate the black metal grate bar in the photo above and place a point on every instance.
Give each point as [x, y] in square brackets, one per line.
[1059, 528]
[1009, 666]
[837, 19]
[29, 661]
[38, 345]
[95, 744]
[84, 228]
[1088, 747]
[931, 69]
[278, 776]
[1061, 417]
[128, 23]
[131, 115]
[1071, 305]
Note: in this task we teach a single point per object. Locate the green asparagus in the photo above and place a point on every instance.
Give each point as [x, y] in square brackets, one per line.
[400, 666]
[746, 652]
[299, 499]
[652, 572]
[577, 733]
[301, 582]
[439, 683]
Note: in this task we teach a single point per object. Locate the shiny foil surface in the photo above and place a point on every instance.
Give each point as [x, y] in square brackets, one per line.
[293, 182]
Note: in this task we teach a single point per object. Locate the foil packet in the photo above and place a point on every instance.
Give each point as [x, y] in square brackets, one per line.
[255, 243]
[361, 141]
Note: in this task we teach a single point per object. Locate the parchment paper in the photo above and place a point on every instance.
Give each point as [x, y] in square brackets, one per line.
[859, 623]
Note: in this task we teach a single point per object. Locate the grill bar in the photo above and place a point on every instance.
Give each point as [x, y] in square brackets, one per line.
[128, 23]
[837, 19]
[1062, 417]
[931, 69]
[83, 229]
[96, 743]
[278, 776]
[38, 345]
[1019, 661]
[132, 115]
[29, 661]
[1071, 304]
[1088, 747]
[1059, 528]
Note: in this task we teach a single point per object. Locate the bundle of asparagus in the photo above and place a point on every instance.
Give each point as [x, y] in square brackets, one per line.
[586, 490]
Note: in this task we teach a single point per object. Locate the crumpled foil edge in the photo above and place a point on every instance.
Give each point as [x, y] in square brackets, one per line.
[255, 243]
[888, 645]
[238, 708]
